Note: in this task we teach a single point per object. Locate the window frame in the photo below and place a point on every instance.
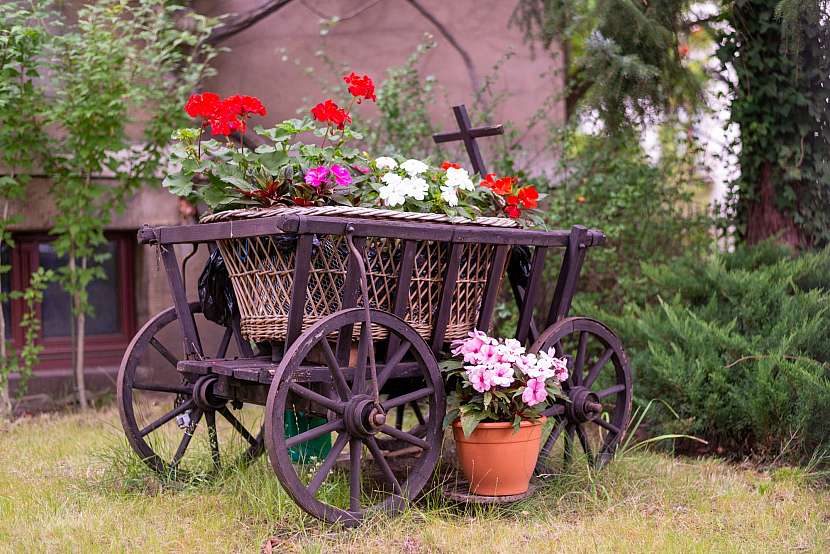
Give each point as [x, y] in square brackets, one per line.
[100, 350]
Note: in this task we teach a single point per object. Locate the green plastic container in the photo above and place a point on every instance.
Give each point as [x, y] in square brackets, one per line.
[307, 452]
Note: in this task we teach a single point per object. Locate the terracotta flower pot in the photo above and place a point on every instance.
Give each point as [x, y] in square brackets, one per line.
[495, 460]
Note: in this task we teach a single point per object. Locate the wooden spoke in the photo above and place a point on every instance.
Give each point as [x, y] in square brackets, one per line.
[328, 463]
[355, 451]
[552, 438]
[391, 362]
[404, 436]
[359, 376]
[593, 373]
[161, 349]
[180, 409]
[315, 432]
[213, 436]
[610, 390]
[188, 436]
[418, 415]
[579, 363]
[223, 344]
[308, 394]
[161, 387]
[586, 447]
[372, 443]
[554, 410]
[236, 424]
[406, 398]
[606, 425]
[336, 373]
[569, 444]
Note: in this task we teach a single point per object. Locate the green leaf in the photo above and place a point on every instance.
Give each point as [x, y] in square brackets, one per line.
[470, 420]
[178, 184]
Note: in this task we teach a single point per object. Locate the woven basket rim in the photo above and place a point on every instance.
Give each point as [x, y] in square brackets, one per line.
[354, 211]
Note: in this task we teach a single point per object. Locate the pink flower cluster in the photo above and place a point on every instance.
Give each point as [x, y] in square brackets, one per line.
[492, 363]
[319, 176]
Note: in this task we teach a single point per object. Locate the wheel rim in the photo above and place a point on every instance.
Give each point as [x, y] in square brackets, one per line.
[350, 411]
[594, 419]
[170, 419]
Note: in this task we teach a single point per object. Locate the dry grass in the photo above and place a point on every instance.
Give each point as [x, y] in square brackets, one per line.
[66, 483]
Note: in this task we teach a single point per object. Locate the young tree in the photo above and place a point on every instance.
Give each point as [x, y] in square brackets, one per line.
[122, 65]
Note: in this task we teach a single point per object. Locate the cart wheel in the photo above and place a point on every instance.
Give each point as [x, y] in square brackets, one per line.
[357, 420]
[162, 409]
[599, 392]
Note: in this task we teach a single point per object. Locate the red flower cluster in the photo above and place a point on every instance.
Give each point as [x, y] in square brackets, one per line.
[446, 165]
[329, 112]
[224, 116]
[516, 199]
[362, 88]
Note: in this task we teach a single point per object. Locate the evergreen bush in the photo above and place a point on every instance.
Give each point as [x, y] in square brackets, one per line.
[737, 346]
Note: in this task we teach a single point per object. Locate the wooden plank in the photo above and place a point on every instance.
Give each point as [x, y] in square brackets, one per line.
[401, 304]
[412, 230]
[568, 275]
[299, 289]
[351, 291]
[531, 294]
[447, 294]
[192, 344]
[491, 290]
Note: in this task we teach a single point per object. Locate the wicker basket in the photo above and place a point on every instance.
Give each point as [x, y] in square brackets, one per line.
[261, 271]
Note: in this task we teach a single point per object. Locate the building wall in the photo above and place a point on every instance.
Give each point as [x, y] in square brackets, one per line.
[261, 62]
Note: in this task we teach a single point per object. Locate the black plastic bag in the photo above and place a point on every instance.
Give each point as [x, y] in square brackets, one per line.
[216, 292]
[518, 268]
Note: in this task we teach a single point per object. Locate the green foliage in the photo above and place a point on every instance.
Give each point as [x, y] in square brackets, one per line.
[779, 101]
[225, 176]
[737, 345]
[644, 209]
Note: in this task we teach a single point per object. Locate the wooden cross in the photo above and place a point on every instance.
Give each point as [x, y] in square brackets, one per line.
[468, 134]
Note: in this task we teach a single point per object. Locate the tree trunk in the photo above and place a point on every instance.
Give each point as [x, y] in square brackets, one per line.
[80, 324]
[765, 220]
[5, 374]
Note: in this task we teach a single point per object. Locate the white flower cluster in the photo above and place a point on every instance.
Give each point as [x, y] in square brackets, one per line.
[457, 178]
[396, 188]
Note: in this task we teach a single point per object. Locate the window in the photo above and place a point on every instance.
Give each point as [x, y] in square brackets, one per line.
[108, 329]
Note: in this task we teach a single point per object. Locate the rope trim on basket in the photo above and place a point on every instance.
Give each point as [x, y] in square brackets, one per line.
[373, 213]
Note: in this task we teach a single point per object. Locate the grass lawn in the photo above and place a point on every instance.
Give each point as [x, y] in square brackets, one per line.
[66, 484]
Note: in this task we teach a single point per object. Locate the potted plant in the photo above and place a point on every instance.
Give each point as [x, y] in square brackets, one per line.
[500, 393]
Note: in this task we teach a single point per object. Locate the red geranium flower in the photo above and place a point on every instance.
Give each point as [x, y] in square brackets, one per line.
[446, 165]
[499, 186]
[329, 112]
[202, 105]
[512, 211]
[360, 87]
[528, 196]
[244, 105]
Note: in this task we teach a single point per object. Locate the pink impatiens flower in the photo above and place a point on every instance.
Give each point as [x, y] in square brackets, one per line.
[341, 175]
[480, 379]
[535, 392]
[470, 347]
[317, 176]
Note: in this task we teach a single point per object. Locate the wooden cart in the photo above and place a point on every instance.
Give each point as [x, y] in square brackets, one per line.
[349, 376]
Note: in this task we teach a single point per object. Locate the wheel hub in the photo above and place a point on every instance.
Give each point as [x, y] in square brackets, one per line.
[204, 396]
[363, 416]
[584, 404]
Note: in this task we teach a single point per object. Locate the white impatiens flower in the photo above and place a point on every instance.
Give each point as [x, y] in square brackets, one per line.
[414, 168]
[449, 195]
[457, 177]
[414, 187]
[385, 162]
[392, 193]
